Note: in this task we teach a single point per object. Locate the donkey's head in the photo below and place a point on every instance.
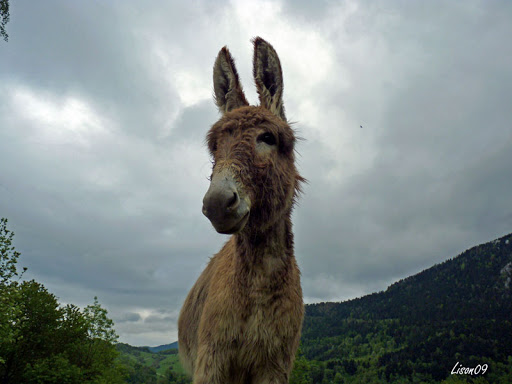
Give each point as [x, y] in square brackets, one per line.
[254, 180]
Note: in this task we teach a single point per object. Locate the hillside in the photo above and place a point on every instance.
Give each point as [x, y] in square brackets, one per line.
[475, 284]
[459, 311]
[420, 327]
[164, 347]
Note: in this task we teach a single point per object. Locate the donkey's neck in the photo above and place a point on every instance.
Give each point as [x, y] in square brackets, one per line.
[267, 252]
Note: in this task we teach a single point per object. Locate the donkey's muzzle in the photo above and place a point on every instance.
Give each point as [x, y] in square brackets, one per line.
[224, 204]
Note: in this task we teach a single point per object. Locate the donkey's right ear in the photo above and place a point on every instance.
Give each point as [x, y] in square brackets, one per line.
[227, 88]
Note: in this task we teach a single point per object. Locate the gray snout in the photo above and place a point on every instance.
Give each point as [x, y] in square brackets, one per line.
[223, 204]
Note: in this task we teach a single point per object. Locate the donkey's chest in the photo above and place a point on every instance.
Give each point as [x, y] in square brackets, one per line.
[260, 304]
[272, 321]
[265, 289]
[270, 306]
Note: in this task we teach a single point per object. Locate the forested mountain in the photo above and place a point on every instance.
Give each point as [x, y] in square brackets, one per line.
[475, 284]
[420, 327]
[164, 347]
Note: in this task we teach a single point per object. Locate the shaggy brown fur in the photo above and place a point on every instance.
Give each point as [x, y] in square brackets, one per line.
[241, 321]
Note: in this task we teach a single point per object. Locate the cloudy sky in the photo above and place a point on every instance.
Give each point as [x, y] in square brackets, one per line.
[104, 107]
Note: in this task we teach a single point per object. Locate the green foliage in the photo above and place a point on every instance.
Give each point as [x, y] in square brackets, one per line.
[53, 369]
[4, 15]
[57, 344]
[8, 255]
[101, 327]
[301, 373]
[43, 342]
[9, 295]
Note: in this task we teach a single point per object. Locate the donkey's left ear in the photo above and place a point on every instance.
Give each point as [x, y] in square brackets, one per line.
[268, 77]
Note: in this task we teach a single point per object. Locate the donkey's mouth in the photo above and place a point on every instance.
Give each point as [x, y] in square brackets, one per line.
[237, 227]
[225, 204]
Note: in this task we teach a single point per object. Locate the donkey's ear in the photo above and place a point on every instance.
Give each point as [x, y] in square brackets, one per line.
[268, 77]
[228, 90]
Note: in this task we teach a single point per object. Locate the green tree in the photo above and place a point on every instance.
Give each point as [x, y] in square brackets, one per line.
[43, 342]
[32, 330]
[4, 15]
[100, 352]
[9, 311]
[9, 294]
[100, 326]
[52, 344]
[338, 378]
[8, 255]
[301, 370]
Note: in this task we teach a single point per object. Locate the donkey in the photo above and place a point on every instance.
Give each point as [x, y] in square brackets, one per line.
[242, 319]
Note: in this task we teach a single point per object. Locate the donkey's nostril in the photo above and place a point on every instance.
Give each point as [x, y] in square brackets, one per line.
[233, 202]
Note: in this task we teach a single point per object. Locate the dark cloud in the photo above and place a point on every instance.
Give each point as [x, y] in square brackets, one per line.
[129, 317]
[194, 122]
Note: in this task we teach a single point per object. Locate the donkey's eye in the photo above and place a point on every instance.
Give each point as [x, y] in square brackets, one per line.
[267, 138]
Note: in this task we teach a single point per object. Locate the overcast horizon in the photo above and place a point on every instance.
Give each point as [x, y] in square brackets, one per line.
[404, 108]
